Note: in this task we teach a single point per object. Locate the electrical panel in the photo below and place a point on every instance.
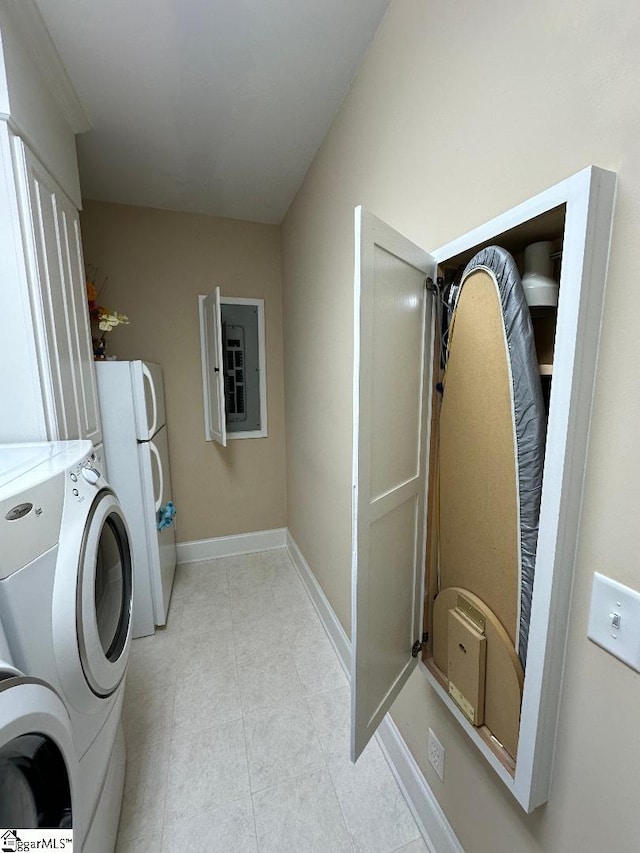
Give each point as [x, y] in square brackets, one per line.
[241, 366]
[233, 351]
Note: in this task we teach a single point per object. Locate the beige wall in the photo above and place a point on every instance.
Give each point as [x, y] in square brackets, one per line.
[157, 263]
[460, 111]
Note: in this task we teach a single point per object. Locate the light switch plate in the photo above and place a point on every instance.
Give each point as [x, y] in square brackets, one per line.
[614, 619]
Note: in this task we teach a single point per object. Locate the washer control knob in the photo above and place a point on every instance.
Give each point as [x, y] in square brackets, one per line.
[91, 474]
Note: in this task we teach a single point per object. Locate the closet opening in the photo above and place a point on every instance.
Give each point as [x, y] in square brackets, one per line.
[465, 537]
[475, 658]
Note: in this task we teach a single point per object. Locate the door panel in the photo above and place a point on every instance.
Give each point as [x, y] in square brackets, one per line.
[213, 367]
[396, 337]
[55, 307]
[393, 329]
[87, 395]
[392, 542]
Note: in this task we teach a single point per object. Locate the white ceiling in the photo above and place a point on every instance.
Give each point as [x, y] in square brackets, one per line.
[210, 106]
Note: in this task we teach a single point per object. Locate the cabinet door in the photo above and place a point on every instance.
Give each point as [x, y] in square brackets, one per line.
[22, 411]
[392, 341]
[212, 368]
[82, 364]
[57, 282]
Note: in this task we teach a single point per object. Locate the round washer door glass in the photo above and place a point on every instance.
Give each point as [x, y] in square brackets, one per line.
[34, 786]
[112, 586]
[105, 595]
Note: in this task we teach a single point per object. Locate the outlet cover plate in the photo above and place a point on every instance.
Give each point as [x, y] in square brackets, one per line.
[435, 751]
[614, 619]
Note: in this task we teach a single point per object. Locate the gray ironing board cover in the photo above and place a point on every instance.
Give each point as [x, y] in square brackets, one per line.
[529, 414]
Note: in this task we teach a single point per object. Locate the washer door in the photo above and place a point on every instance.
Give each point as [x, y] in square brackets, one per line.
[104, 595]
[37, 760]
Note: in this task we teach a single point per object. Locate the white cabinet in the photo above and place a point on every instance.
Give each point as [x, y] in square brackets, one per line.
[51, 227]
[47, 385]
[50, 388]
[395, 529]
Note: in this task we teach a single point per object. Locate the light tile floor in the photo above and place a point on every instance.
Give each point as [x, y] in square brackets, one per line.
[236, 719]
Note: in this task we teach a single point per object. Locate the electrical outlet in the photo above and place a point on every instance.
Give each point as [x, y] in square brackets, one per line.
[435, 751]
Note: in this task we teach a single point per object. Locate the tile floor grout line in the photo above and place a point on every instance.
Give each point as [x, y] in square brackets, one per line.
[244, 733]
[253, 811]
[335, 791]
[171, 732]
[278, 609]
[324, 754]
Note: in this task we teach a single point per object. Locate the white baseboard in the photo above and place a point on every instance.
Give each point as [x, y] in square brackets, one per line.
[332, 625]
[432, 822]
[230, 546]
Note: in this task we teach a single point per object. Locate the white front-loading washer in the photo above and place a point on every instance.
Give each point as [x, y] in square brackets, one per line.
[65, 601]
[39, 769]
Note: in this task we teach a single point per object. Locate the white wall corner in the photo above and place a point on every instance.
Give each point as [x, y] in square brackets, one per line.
[432, 822]
[230, 546]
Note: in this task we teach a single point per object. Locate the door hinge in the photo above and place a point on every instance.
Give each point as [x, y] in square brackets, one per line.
[419, 645]
[434, 286]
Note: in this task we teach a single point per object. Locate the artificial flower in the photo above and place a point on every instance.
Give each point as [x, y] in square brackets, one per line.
[102, 319]
[109, 320]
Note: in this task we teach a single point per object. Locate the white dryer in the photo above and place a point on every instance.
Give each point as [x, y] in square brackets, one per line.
[66, 600]
[39, 773]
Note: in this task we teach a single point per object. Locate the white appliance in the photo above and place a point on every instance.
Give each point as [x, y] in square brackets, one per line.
[38, 765]
[65, 604]
[131, 397]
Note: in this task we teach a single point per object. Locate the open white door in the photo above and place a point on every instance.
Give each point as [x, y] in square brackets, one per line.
[393, 346]
[212, 368]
